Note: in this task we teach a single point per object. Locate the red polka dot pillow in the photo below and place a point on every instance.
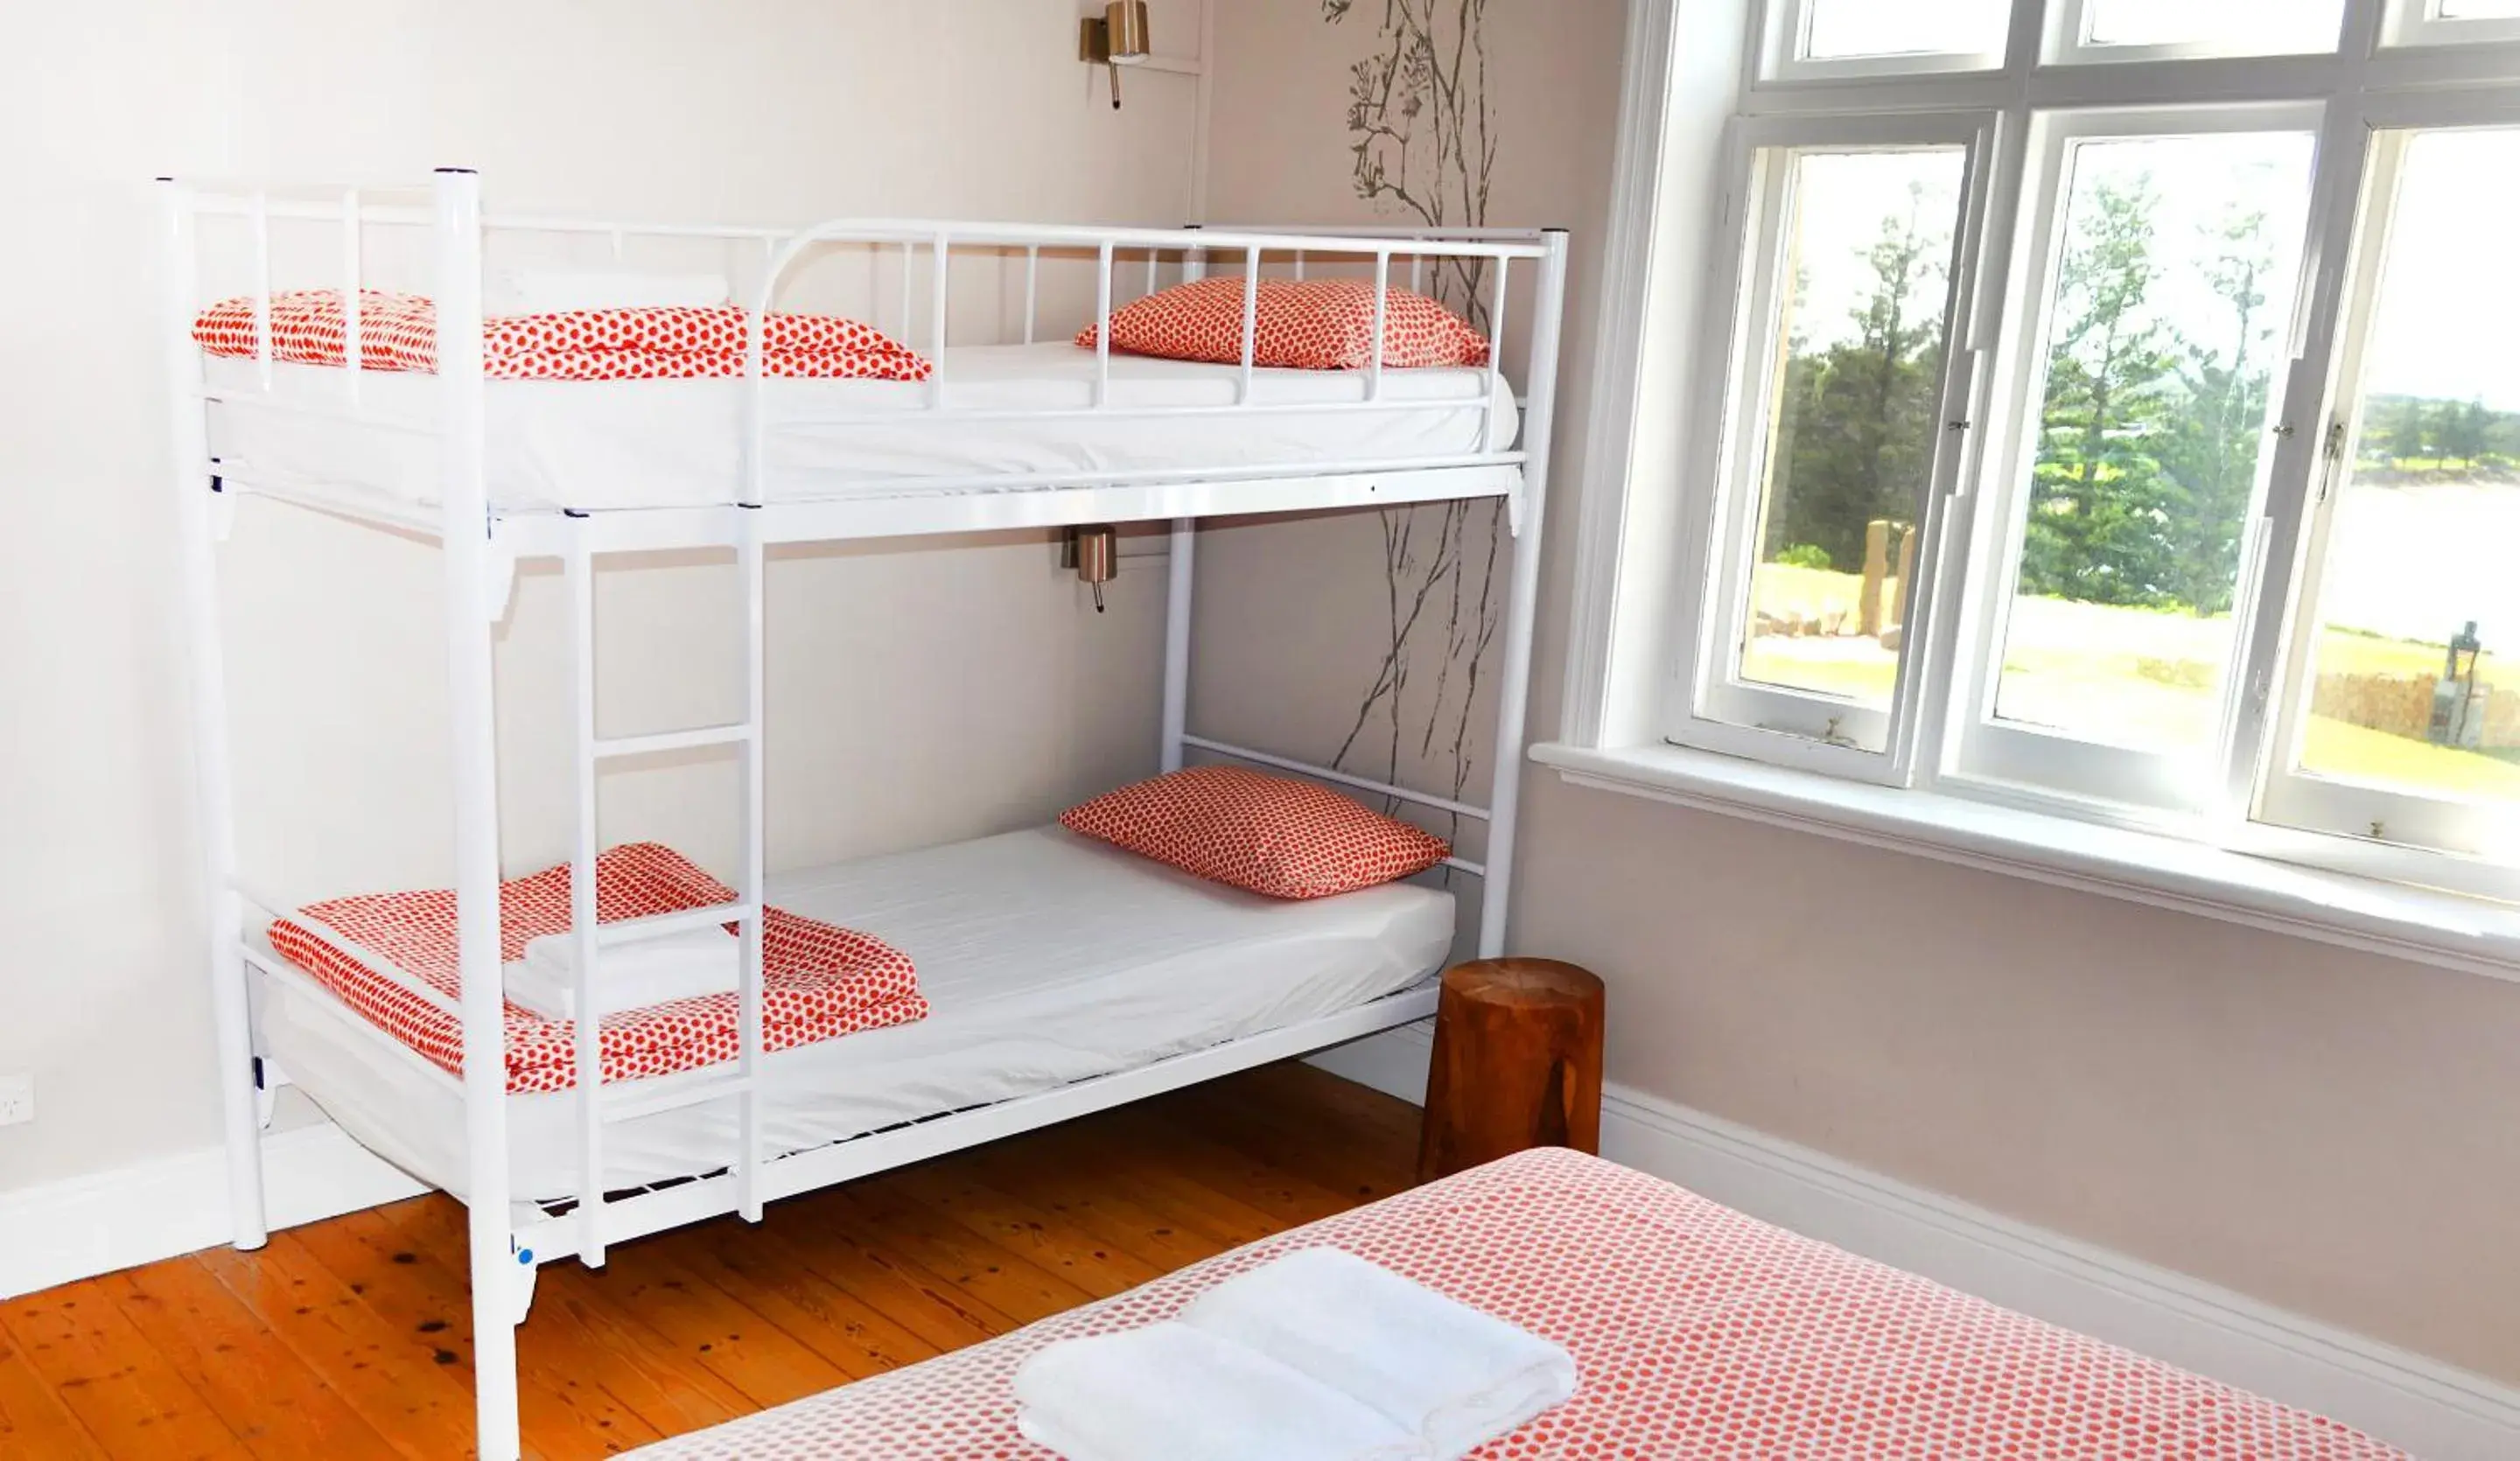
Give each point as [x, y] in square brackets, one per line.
[635, 343]
[1304, 325]
[1287, 839]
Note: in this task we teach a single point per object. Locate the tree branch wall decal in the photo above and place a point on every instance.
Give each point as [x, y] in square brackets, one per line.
[1422, 144]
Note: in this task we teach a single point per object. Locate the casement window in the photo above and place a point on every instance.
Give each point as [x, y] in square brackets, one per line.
[2449, 23]
[2121, 30]
[2110, 408]
[1857, 248]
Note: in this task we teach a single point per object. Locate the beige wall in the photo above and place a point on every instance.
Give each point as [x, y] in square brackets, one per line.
[1295, 619]
[2336, 1134]
[916, 696]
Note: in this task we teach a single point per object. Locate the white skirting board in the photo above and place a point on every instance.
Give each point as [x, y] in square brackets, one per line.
[71, 1230]
[2431, 1409]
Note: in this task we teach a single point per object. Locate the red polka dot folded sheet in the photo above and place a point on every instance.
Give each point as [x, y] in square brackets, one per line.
[1303, 325]
[638, 342]
[819, 980]
[1697, 1333]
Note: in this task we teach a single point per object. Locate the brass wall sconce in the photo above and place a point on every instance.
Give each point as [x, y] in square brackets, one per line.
[1114, 39]
[1095, 553]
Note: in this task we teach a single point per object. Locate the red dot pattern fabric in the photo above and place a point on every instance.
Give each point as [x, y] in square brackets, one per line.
[659, 343]
[1287, 839]
[1303, 325]
[1697, 1333]
[308, 327]
[818, 981]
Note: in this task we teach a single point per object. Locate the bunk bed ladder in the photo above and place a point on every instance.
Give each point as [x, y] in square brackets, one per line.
[596, 1108]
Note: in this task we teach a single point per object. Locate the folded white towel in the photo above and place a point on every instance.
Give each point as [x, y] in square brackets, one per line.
[1452, 1376]
[1170, 1393]
[627, 975]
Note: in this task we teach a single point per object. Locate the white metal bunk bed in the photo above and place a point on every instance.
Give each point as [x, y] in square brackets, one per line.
[768, 498]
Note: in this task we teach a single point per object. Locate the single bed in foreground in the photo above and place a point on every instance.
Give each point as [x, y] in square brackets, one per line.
[1699, 1332]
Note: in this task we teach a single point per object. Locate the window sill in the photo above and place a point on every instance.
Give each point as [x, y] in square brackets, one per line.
[2140, 867]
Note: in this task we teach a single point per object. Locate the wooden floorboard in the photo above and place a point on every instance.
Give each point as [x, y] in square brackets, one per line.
[124, 1393]
[396, 1382]
[33, 1421]
[273, 1402]
[353, 1338]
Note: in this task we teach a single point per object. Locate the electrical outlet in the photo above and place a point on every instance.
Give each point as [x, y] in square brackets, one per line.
[17, 1100]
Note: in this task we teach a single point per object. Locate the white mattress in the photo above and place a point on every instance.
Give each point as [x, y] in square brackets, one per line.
[1048, 958]
[587, 445]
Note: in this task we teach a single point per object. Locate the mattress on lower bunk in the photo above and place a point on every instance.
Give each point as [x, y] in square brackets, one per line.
[590, 445]
[1046, 958]
[1697, 1331]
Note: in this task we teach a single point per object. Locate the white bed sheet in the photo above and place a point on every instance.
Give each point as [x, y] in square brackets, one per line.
[593, 445]
[1046, 958]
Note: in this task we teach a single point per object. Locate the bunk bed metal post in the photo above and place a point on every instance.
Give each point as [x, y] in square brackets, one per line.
[1181, 567]
[578, 566]
[750, 556]
[1522, 594]
[753, 565]
[214, 790]
[502, 1275]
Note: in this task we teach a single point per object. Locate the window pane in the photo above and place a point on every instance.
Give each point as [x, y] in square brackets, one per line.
[1853, 399]
[2480, 10]
[2418, 659]
[1843, 28]
[2176, 269]
[2257, 27]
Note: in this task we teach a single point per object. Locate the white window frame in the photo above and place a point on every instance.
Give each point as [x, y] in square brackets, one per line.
[1719, 711]
[2421, 22]
[1785, 29]
[2459, 846]
[2066, 42]
[1983, 748]
[1638, 626]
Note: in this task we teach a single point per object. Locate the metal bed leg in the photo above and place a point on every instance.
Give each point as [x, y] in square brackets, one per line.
[1522, 594]
[579, 567]
[1177, 608]
[751, 561]
[498, 1270]
[224, 931]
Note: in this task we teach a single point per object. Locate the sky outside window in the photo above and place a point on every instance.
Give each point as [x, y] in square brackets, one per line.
[2242, 26]
[1842, 28]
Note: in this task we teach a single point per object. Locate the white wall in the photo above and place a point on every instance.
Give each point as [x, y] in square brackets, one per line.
[2334, 1133]
[917, 695]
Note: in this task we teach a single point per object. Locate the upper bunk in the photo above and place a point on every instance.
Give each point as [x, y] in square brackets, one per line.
[1014, 418]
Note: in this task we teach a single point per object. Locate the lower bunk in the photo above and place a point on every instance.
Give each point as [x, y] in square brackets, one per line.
[1696, 1331]
[1063, 975]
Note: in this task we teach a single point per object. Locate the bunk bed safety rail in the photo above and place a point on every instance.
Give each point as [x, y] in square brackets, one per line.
[1191, 245]
[1103, 332]
[1251, 312]
[1349, 780]
[356, 214]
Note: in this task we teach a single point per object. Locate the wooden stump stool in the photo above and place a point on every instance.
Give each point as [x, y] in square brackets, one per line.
[1518, 1064]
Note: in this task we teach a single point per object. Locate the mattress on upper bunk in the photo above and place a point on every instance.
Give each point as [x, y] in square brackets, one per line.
[1046, 958]
[607, 444]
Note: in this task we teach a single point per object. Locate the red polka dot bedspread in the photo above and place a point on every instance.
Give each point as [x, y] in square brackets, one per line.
[1699, 1333]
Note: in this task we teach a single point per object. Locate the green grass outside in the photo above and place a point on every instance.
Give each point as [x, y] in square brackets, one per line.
[2145, 677]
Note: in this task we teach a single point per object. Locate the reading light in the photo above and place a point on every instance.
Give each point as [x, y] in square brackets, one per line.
[1096, 552]
[1117, 38]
